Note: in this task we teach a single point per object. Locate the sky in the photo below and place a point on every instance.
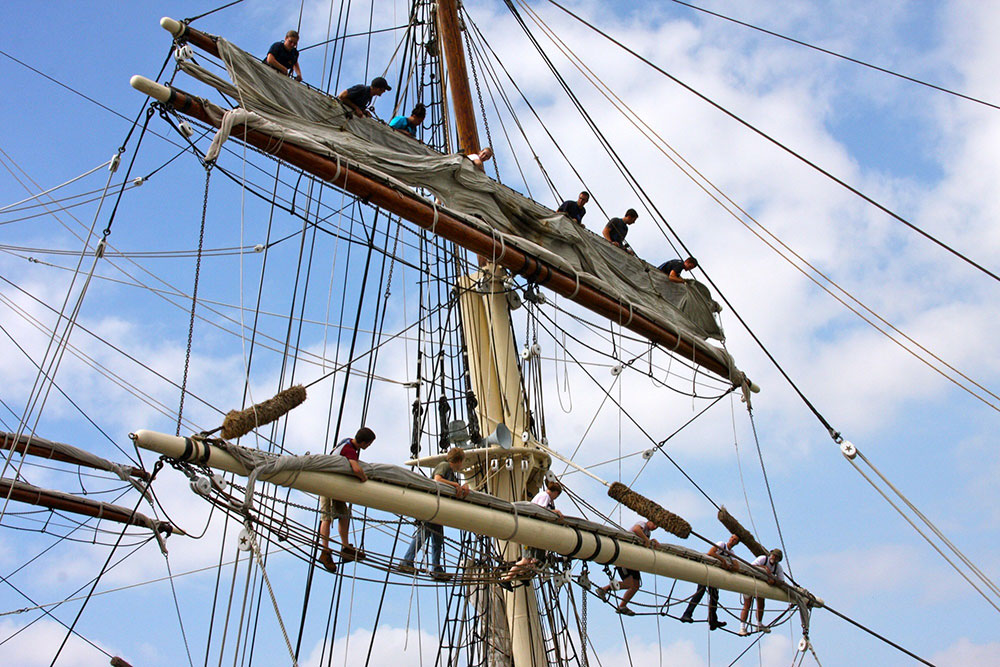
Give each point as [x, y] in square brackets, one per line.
[923, 154]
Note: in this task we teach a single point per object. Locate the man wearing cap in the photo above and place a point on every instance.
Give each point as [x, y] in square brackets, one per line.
[358, 97]
[771, 565]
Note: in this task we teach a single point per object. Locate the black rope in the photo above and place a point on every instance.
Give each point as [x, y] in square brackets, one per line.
[104, 568]
[828, 52]
[876, 635]
[783, 147]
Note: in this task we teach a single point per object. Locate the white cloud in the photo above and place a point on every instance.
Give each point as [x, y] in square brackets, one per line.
[392, 647]
[964, 652]
[37, 645]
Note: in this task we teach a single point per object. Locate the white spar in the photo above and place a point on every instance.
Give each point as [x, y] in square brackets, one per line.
[463, 515]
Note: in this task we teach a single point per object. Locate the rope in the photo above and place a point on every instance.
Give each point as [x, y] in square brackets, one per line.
[270, 591]
[782, 146]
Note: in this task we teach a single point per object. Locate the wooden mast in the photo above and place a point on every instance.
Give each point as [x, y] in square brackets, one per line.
[492, 358]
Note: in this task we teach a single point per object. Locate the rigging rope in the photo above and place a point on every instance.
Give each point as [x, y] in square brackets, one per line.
[784, 147]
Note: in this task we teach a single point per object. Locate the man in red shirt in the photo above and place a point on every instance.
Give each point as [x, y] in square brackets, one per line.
[330, 508]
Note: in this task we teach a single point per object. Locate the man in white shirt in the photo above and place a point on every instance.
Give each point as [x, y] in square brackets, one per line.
[545, 498]
[771, 565]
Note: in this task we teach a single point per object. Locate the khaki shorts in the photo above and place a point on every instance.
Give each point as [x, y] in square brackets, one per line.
[331, 509]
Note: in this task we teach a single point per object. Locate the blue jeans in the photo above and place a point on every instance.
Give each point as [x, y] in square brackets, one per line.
[436, 533]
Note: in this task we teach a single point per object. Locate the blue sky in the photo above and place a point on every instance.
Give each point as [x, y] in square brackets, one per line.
[924, 154]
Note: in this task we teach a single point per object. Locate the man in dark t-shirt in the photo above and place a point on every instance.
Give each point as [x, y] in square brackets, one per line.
[575, 210]
[445, 472]
[674, 267]
[284, 57]
[358, 97]
[617, 228]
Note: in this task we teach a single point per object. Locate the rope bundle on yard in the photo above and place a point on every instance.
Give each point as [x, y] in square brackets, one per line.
[664, 519]
[736, 529]
[240, 422]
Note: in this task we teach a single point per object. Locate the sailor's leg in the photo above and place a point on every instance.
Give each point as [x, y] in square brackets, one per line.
[713, 605]
[437, 543]
[693, 604]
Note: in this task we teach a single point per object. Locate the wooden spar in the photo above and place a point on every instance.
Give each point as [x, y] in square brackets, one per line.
[41, 448]
[57, 500]
[464, 515]
[421, 212]
[458, 78]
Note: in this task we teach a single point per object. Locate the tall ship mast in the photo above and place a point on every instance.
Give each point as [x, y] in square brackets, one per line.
[405, 287]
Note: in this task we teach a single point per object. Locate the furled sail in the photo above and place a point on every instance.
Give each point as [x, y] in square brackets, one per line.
[293, 113]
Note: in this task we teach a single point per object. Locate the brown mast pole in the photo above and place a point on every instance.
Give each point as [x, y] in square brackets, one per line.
[458, 79]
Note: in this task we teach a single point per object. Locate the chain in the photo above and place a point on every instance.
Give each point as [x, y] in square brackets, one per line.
[482, 106]
[194, 297]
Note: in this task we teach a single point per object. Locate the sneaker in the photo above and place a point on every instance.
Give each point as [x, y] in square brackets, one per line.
[326, 560]
[743, 630]
[440, 575]
[348, 553]
[765, 629]
[406, 567]
[603, 594]
[625, 611]
[686, 618]
[715, 625]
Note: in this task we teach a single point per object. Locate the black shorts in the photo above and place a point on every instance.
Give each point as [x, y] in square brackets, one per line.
[625, 574]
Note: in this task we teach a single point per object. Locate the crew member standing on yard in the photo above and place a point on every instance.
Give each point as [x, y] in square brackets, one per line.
[631, 579]
[771, 564]
[409, 124]
[674, 267]
[534, 557]
[445, 472]
[575, 210]
[349, 448]
[284, 57]
[617, 228]
[358, 97]
[723, 551]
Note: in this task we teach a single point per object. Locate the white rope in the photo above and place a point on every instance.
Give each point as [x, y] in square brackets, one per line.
[270, 591]
[53, 189]
[923, 535]
[45, 377]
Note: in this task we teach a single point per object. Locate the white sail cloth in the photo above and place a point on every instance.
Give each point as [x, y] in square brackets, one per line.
[291, 112]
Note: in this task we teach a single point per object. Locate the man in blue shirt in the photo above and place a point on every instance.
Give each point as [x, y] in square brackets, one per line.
[409, 124]
[575, 210]
[617, 228]
[358, 97]
[284, 57]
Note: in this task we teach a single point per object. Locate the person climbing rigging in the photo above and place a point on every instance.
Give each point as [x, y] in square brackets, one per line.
[771, 565]
[349, 448]
[535, 557]
[631, 579]
[723, 552]
[674, 267]
[409, 124]
[284, 57]
[358, 97]
[478, 159]
[445, 472]
[617, 229]
[575, 210]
